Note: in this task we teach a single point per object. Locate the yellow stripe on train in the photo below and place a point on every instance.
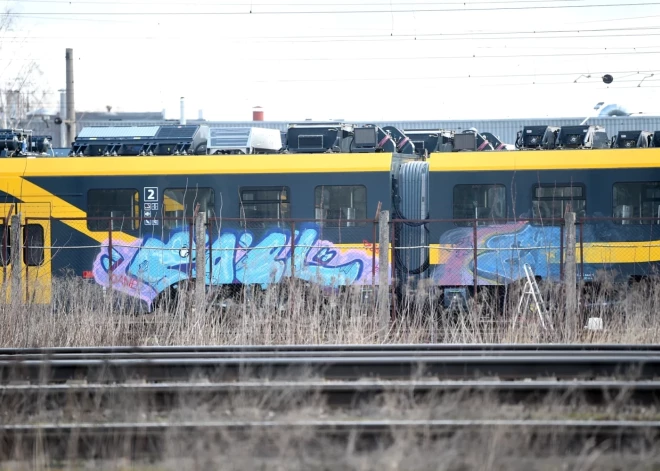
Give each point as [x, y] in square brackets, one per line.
[594, 252]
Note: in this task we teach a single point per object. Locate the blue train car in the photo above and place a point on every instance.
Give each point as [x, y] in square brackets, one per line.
[514, 203]
[466, 219]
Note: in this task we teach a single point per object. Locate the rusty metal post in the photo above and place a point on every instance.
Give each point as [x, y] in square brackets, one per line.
[26, 240]
[293, 248]
[373, 253]
[393, 269]
[200, 257]
[571, 276]
[475, 253]
[190, 247]
[15, 259]
[561, 251]
[209, 227]
[383, 240]
[200, 263]
[581, 250]
[110, 264]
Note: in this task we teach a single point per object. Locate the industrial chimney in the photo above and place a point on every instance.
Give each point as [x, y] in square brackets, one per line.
[70, 101]
[257, 113]
[182, 119]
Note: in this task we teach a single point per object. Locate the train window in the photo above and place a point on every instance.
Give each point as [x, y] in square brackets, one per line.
[123, 206]
[340, 203]
[482, 202]
[636, 200]
[179, 204]
[5, 241]
[33, 241]
[265, 202]
[552, 201]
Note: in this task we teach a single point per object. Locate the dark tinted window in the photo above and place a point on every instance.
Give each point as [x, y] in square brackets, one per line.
[482, 202]
[636, 200]
[123, 206]
[553, 201]
[5, 241]
[265, 202]
[340, 203]
[33, 243]
[179, 204]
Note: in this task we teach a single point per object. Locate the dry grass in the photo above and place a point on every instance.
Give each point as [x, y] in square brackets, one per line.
[82, 314]
[492, 449]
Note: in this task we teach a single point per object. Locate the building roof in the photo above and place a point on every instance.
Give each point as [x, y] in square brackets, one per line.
[119, 116]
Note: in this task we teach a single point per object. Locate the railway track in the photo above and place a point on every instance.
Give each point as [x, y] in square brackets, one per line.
[346, 364]
[76, 381]
[28, 399]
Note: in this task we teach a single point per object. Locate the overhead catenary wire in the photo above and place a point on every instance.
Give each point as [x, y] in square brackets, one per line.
[444, 58]
[291, 4]
[458, 35]
[253, 11]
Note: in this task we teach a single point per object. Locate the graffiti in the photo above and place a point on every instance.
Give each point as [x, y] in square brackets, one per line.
[502, 251]
[148, 266]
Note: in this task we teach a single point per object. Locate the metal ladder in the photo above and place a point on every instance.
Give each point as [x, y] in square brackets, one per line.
[532, 293]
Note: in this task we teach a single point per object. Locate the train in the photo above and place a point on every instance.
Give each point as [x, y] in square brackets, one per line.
[467, 212]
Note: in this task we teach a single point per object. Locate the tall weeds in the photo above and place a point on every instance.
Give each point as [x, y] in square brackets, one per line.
[82, 313]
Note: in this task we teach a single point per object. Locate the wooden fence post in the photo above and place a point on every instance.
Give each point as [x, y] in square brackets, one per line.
[16, 247]
[200, 261]
[570, 273]
[383, 273]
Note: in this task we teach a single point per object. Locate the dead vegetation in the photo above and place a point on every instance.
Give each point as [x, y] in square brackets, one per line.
[82, 314]
[295, 448]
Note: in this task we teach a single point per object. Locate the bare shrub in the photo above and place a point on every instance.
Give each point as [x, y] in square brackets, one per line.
[82, 313]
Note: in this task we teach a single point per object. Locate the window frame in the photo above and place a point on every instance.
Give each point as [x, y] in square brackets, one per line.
[27, 231]
[94, 226]
[643, 220]
[557, 220]
[170, 223]
[358, 221]
[6, 231]
[480, 222]
[279, 202]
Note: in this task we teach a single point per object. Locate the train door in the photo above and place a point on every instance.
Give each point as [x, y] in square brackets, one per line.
[36, 257]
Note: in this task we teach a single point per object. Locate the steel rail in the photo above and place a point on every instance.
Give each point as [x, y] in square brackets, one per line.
[336, 348]
[523, 366]
[153, 438]
[162, 396]
[301, 354]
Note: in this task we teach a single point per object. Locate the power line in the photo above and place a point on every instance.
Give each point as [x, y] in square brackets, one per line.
[465, 77]
[473, 56]
[333, 12]
[410, 35]
[472, 36]
[446, 58]
[289, 4]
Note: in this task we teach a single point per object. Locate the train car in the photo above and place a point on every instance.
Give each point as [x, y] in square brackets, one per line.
[124, 221]
[127, 217]
[514, 204]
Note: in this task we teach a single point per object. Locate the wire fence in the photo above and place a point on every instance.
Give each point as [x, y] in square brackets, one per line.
[145, 257]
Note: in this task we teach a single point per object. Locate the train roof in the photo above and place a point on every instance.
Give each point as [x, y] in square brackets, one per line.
[328, 163]
[197, 164]
[583, 159]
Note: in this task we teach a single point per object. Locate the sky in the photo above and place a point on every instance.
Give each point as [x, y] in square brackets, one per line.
[343, 59]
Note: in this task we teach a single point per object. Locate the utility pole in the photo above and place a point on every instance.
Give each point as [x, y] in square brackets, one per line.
[70, 105]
